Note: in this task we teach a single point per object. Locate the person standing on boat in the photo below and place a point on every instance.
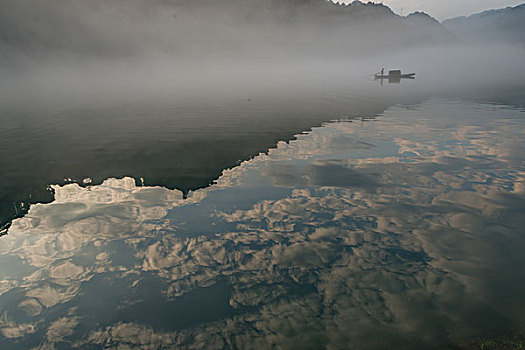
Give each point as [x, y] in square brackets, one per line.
[382, 71]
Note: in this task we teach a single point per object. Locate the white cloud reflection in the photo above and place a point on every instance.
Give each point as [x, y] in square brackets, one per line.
[401, 245]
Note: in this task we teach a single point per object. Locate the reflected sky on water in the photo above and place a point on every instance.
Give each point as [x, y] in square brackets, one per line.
[404, 231]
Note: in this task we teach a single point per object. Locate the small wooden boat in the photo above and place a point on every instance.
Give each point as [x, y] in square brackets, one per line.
[395, 74]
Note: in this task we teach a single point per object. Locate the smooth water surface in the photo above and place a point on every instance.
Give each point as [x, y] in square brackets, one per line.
[400, 231]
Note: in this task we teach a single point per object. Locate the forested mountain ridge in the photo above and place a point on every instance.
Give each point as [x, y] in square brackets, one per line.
[117, 27]
[504, 26]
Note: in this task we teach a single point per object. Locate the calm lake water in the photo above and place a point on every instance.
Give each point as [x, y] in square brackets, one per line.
[364, 221]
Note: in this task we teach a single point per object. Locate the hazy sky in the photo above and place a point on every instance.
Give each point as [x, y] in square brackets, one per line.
[443, 9]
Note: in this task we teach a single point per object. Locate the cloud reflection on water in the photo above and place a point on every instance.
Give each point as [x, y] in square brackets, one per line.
[408, 227]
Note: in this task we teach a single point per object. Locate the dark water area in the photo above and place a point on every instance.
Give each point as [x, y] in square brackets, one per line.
[174, 139]
[322, 215]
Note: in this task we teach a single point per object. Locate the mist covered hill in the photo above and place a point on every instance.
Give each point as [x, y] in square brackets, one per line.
[207, 27]
[504, 26]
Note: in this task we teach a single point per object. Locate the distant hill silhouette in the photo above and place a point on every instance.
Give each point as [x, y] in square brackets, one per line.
[118, 27]
[429, 30]
[504, 25]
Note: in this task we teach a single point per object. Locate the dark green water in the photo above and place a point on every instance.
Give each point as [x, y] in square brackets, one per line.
[396, 228]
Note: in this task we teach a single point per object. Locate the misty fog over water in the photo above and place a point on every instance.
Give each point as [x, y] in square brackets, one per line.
[229, 174]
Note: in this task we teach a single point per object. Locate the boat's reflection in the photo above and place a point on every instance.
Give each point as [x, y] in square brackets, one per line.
[393, 80]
